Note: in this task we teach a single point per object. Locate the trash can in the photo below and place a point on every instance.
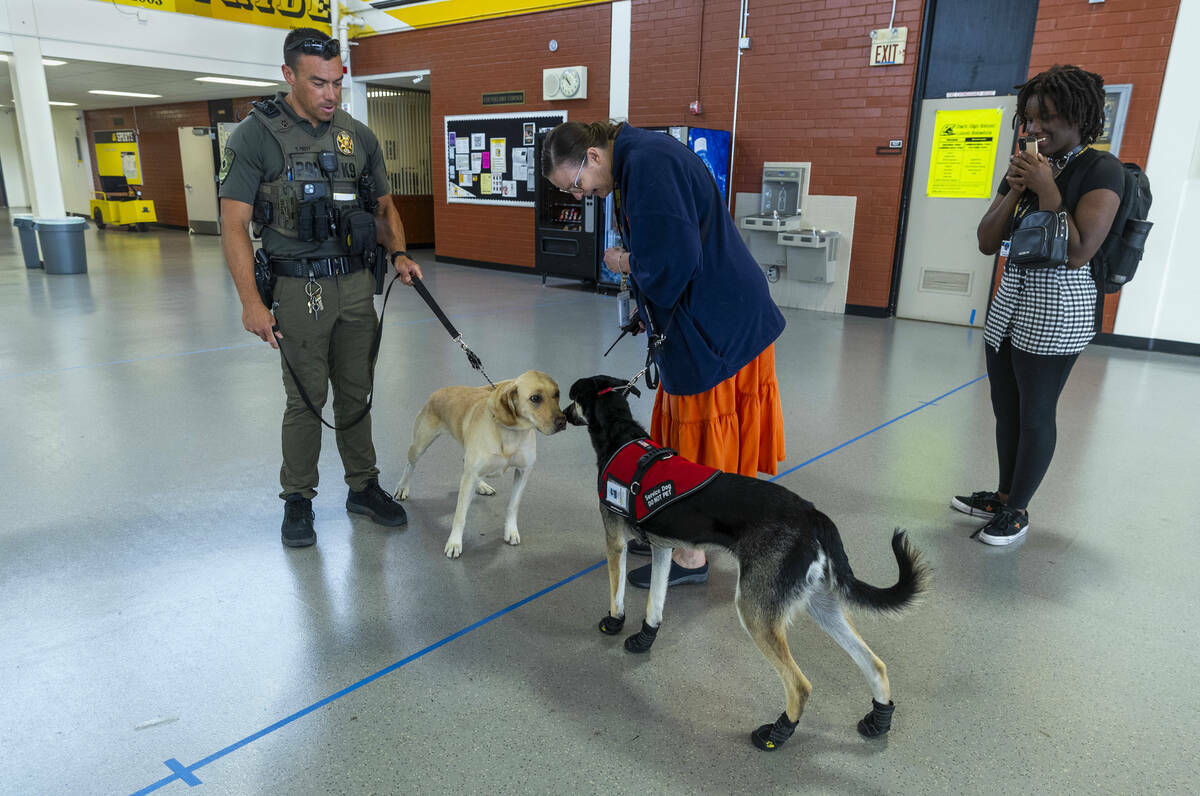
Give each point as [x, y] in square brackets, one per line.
[29, 246]
[62, 244]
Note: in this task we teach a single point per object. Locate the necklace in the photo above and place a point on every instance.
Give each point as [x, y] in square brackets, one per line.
[1061, 163]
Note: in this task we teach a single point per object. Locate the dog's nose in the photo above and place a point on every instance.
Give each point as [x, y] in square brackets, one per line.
[560, 422]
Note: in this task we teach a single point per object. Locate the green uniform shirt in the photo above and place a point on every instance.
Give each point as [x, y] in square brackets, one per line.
[252, 156]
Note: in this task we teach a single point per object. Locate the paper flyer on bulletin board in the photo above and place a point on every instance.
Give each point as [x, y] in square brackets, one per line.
[964, 153]
[490, 156]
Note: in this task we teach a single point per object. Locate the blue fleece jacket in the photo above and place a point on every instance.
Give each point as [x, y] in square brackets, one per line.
[689, 265]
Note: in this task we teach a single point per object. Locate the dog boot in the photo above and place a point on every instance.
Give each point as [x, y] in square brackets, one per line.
[641, 641]
[611, 626]
[770, 737]
[878, 721]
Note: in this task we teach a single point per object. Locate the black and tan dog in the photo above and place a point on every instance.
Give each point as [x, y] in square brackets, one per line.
[789, 554]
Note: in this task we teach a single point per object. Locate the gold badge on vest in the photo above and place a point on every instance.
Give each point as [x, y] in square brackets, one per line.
[345, 143]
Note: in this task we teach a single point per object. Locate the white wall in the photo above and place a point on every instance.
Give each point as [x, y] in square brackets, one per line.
[1161, 302]
[74, 159]
[11, 160]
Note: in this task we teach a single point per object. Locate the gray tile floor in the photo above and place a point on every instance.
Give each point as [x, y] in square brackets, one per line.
[150, 613]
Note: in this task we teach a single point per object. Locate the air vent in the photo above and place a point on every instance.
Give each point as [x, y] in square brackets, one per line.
[957, 282]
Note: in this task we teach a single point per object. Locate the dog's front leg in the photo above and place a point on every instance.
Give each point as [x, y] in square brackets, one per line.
[659, 573]
[466, 491]
[614, 532]
[520, 479]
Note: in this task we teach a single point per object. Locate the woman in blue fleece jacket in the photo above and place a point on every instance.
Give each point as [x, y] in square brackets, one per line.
[718, 403]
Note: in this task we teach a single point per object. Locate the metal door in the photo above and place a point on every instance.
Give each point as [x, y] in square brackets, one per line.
[199, 180]
[944, 277]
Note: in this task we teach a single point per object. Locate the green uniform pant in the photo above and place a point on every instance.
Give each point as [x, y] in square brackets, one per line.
[333, 347]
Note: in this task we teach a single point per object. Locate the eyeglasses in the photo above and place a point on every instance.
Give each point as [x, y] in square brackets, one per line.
[327, 48]
[574, 189]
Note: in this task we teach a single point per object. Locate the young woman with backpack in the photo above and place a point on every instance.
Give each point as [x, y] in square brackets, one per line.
[1041, 318]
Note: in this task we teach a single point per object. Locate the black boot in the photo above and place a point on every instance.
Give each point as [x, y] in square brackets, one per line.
[878, 721]
[297, 529]
[770, 737]
[376, 504]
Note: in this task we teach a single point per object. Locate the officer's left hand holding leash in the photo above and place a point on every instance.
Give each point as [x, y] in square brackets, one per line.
[406, 267]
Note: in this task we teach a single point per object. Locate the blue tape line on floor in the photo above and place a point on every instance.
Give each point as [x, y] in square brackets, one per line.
[877, 428]
[180, 772]
[185, 773]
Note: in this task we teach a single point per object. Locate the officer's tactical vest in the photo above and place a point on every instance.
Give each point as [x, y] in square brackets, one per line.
[278, 203]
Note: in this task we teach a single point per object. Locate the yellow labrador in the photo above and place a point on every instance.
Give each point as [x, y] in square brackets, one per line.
[495, 428]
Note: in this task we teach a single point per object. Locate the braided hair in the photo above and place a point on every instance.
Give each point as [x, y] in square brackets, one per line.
[570, 141]
[1078, 95]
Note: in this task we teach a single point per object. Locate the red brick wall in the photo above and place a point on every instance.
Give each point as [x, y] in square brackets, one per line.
[1125, 41]
[494, 55]
[806, 94]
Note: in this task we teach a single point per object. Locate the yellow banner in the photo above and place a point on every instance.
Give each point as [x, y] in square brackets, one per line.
[271, 13]
[450, 12]
[964, 153]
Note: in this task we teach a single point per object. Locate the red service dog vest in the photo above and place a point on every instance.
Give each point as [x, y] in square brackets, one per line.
[642, 478]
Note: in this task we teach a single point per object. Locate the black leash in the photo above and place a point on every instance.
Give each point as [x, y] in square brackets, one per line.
[374, 354]
[476, 363]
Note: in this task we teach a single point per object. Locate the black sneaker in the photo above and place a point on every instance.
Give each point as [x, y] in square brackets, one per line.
[978, 504]
[297, 529]
[376, 504]
[637, 547]
[1008, 526]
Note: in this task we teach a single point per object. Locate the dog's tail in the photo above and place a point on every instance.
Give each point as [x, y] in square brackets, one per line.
[914, 579]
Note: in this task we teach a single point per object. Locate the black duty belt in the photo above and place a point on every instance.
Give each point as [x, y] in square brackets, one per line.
[318, 267]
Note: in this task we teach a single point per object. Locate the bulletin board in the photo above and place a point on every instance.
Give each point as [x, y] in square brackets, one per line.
[117, 155]
[490, 157]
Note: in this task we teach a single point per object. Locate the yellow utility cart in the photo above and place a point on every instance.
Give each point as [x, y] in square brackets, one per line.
[119, 204]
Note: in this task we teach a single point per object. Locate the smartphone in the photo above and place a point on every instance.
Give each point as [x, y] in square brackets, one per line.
[1029, 144]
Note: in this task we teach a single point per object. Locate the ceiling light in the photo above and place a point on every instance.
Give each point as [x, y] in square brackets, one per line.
[123, 93]
[233, 81]
[45, 61]
[65, 104]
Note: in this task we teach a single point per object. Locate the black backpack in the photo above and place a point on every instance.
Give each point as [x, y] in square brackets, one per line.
[1114, 265]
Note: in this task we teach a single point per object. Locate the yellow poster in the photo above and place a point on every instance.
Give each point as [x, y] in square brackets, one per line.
[964, 153]
[117, 155]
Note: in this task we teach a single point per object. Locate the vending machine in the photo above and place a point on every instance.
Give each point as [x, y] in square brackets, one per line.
[568, 230]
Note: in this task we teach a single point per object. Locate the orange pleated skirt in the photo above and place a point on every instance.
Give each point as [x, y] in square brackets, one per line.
[736, 426]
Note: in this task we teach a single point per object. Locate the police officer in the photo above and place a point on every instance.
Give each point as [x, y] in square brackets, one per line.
[313, 182]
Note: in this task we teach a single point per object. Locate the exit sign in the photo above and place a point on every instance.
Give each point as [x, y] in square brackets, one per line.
[887, 46]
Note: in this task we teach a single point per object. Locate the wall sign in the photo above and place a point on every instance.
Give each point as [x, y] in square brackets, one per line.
[504, 98]
[271, 13]
[887, 46]
[964, 153]
[117, 155]
[1116, 106]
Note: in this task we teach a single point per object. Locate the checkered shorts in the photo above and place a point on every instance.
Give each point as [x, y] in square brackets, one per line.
[1043, 310]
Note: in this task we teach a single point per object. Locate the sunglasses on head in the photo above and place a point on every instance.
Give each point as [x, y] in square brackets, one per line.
[326, 48]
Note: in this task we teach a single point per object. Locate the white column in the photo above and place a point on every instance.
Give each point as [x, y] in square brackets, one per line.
[1161, 302]
[618, 68]
[36, 127]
